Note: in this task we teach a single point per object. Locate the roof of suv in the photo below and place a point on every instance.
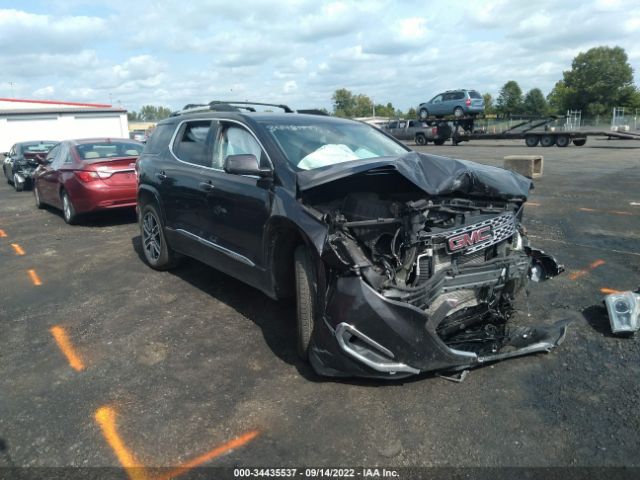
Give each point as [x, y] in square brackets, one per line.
[258, 117]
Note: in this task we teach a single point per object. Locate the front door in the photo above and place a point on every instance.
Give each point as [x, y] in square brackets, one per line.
[237, 206]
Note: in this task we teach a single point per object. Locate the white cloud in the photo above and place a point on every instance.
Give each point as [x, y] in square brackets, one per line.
[300, 51]
[290, 86]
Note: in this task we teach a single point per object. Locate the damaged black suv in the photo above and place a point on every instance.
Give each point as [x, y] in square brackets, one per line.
[399, 262]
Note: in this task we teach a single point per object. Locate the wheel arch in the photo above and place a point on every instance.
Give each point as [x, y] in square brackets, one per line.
[282, 237]
[147, 194]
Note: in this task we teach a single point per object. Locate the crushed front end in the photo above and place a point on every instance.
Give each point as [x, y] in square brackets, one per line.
[421, 283]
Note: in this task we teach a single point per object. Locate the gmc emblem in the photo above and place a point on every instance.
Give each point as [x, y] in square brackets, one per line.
[464, 240]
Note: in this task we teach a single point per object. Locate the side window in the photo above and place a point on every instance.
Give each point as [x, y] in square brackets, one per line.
[402, 124]
[393, 125]
[53, 153]
[191, 143]
[235, 141]
[66, 156]
[446, 97]
[159, 139]
[458, 95]
[437, 99]
[61, 156]
[412, 123]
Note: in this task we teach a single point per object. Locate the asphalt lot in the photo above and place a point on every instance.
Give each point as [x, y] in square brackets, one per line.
[108, 362]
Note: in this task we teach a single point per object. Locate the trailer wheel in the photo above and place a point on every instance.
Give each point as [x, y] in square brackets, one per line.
[578, 142]
[439, 141]
[532, 140]
[547, 140]
[421, 139]
[563, 141]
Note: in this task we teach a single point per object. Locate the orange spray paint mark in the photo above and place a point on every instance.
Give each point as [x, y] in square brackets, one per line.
[206, 457]
[18, 249]
[3, 234]
[608, 291]
[34, 277]
[532, 204]
[582, 273]
[106, 418]
[64, 344]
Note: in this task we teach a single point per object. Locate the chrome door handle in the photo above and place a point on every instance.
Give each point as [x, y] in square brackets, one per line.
[161, 175]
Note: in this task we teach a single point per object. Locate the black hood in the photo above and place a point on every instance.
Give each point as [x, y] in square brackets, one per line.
[433, 174]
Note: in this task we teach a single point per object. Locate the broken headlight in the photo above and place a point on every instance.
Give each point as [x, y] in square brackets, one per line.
[624, 310]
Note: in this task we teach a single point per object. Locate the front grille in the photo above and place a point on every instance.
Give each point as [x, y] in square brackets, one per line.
[502, 227]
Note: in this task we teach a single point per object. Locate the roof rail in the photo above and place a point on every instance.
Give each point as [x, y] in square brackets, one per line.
[222, 106]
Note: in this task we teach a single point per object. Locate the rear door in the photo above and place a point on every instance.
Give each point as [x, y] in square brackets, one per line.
[183, 181]
[48, 177]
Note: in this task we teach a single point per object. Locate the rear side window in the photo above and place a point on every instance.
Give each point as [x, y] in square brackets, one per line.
[474, 94]
[191, 144]
[457, 95]
[159, 139]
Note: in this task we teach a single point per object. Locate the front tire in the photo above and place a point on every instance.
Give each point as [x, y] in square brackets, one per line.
[157, 252]
[423, 113]
[68, 210]
[458, 112]
[16, 184]
[306, 289]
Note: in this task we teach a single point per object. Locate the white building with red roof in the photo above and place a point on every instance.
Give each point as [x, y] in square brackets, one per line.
[24, 120]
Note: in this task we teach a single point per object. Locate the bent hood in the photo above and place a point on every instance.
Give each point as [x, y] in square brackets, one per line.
[434, 174]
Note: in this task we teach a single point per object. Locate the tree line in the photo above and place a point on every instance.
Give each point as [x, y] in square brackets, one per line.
[149, 113]
[598, 80]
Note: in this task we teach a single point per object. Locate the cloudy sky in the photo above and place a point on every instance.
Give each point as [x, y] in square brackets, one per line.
[167, 52]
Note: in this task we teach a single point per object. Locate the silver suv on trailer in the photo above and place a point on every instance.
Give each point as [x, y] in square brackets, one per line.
[459, 103]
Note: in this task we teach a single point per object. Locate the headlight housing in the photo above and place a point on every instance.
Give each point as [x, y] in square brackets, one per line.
[624, 311]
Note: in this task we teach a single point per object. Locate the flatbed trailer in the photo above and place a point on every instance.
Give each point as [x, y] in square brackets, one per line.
[534, 132]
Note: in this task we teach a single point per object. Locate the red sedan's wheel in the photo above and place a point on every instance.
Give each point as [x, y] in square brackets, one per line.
[68, 211]
[36, 194]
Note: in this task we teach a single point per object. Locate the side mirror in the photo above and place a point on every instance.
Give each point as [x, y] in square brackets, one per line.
[245, 164]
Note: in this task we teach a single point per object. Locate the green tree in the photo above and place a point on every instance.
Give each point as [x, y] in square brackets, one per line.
[488, 103]
[535, 103]
[411, 113]
[363, 106]
[510, 98]
[150, 113]
[599, 79]
[132, 116]
[343, 103]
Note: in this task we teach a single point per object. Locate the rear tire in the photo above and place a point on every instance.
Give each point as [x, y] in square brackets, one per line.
[157, 252]
[547, 140]
[532, 140]
[421, 139]
[306, 289]
[563, 141]
[36, 194]
[68, 210]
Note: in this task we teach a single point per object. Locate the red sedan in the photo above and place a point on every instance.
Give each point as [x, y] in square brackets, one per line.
[83, 176]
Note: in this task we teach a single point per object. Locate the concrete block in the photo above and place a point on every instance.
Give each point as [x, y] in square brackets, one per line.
[528, 165]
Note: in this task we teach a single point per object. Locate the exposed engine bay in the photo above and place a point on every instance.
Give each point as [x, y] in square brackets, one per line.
[459, 260]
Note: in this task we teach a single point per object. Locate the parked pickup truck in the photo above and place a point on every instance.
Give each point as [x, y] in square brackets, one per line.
[416, 130]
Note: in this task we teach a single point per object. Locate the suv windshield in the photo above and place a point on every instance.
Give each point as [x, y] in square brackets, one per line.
[321, 144]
